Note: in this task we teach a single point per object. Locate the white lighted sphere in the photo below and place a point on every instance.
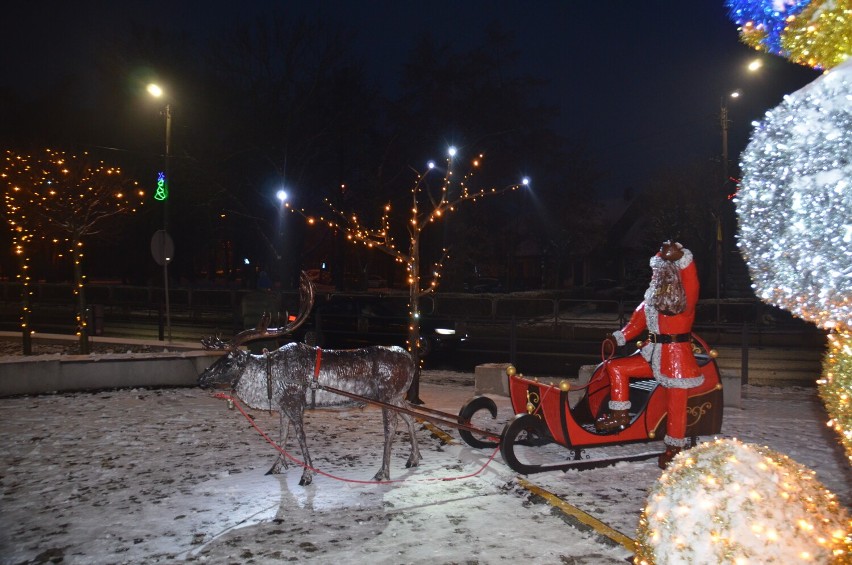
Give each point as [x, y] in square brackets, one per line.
[795, 202]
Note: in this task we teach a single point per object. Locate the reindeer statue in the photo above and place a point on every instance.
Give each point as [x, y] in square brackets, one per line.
[284, 378]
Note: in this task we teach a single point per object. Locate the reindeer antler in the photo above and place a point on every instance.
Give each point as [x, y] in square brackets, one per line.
[262, 330]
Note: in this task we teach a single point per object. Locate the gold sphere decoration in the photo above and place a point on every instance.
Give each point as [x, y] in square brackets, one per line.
[651, 434]
[713, 353]
[639, 344]
[511, 371]
[564, 386]
[530, 407]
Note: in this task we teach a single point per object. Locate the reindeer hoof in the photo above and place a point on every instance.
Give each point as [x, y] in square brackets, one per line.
[381, 477]
[277, 467]
[305, 481]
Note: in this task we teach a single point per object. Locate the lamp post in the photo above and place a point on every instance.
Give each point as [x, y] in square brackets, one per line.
[281, 196]
[166, 247]
[723, 227]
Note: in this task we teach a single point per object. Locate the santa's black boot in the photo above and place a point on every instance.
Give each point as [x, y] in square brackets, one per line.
[667, 456]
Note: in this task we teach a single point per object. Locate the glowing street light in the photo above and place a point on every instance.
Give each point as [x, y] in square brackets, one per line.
[281, 195]
[154, 90]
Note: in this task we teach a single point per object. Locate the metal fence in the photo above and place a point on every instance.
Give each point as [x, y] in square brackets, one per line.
[538, 307]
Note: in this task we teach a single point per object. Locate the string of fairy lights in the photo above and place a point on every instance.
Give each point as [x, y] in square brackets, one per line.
[58, 198]
[425, 209]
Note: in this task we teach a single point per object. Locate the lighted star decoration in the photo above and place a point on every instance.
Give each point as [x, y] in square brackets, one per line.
[730, 502]
[795, 217]
[816, 33]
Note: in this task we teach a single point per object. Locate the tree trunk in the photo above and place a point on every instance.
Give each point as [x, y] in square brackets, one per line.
[413, 395]
[79, 291]
[26, 335]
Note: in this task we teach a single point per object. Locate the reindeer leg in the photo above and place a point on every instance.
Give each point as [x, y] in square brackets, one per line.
[414, 458]
[283, 429]
[389, 421]
[308, 473]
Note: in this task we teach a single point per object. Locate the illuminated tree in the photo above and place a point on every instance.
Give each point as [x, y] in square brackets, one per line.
[62, 199]
[427, 207]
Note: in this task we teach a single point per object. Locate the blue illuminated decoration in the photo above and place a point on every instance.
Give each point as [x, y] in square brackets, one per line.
[762, 22]
[162, 191]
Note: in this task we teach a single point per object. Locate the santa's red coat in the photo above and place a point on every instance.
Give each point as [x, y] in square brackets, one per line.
[673, 364]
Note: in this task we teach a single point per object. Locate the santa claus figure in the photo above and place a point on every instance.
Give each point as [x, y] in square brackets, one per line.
[667, 314]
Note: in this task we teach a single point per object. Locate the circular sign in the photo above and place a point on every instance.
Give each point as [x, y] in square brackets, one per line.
[162, 247]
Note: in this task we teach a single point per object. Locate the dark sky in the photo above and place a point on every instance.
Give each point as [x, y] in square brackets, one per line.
[639, 82]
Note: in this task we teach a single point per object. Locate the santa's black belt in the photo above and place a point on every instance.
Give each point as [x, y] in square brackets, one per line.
[669, 338]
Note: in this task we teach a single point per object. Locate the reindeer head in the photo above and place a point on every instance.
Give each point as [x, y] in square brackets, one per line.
[227, 371]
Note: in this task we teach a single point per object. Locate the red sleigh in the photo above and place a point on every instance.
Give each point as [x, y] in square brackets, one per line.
[543, 414]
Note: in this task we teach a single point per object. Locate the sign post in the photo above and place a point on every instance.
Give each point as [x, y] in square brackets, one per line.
[163, 250]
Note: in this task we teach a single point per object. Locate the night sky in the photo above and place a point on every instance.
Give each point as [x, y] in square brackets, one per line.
[639, 82]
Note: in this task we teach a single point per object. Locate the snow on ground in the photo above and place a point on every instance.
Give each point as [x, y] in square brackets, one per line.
[172, 475]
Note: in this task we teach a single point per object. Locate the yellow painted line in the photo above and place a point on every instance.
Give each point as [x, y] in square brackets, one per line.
[580, 516]
[437, 432]
[564, 507]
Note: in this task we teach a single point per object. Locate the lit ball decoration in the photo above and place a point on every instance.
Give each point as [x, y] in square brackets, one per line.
[816, 33]
[835, 387]
[761, 22]
[795, 202]
[730, 502]
[821, 36]
[795, 216]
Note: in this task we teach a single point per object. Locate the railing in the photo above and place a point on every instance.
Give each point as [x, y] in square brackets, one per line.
[548, 335]
[218, 306]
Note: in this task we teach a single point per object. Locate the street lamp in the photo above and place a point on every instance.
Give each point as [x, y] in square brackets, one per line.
[282, 196]
[723, 227]
[161, 239]
[724, 122]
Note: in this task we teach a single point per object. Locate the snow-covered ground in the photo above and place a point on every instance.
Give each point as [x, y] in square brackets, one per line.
[173, 475]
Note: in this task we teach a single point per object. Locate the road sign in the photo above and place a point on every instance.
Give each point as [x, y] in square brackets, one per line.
[162, 247]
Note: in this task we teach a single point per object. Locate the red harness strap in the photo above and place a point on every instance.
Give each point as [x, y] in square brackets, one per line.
[317, 365]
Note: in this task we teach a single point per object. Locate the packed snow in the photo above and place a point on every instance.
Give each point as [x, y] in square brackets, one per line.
[174, 475]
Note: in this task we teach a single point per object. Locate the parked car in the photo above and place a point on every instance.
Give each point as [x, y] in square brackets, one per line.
[357, 321]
